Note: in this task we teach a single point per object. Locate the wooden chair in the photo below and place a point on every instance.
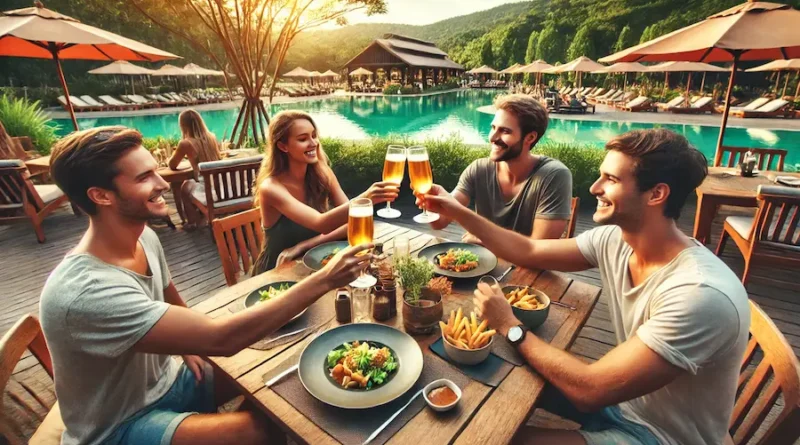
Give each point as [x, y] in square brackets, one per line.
[764, 377]
[573, 217]
[239, 239]
[19, 195]
[772, 235]
[768, 158]
[27, 334]
[228, 186]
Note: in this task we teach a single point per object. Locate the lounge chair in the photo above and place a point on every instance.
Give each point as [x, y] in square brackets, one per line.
[91, 101]
[625, 98]
[675, 102]
[118, 104]
[77, 104]
[702, 106]
[641, 103]
[596, 93]
[162, 100]
[754, 105]
[611, 98]
[775, 108]
[598, 97]
[139, 100]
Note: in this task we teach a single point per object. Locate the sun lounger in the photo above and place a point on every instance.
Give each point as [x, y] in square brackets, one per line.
[641, 103]
[596, 93]
[625, 98]
[118, 104]
[675, 102]
[94, 103]
[77, 104]
[598, 98]
[703, 105]
[162, 100]
[139, 100]
[611, 98]
[775, 108]
[754, 105]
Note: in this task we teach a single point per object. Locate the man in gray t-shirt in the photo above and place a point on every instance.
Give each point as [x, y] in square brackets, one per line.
[514, 189]
[112, 317]
[681, 317]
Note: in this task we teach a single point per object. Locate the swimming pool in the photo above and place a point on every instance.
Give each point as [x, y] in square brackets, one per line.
[444, 115]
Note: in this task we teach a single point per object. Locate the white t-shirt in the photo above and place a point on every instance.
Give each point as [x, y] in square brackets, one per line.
[693, 312]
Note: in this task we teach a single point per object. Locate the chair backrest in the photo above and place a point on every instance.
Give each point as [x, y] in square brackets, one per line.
[676, 101]
[16, 188]
[756, 103]
[573, 217]
[636, 102]
[702, 102]
[26, 334]
[773, 106]
[231, 180]
[239, 239]
[778, 217]
[769, 370]
[110, 100]
[768, 158]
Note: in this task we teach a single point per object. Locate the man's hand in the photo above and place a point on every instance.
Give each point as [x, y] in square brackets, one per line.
[438, 200]
[289, 254]
[195, 364]
[346, 265]
[381, 192]
[470, 238]
[492, 306]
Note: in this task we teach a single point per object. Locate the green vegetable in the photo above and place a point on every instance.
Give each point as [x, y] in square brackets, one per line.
[415, 273]
[272, 292]
[363, 357]
[464, 256]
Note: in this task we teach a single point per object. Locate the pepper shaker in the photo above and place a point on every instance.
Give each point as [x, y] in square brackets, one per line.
[344, 306]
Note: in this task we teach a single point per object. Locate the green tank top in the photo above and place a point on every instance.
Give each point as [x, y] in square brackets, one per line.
[284, 234]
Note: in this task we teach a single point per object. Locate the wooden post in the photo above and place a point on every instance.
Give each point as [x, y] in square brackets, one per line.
[777, 82]
[785, 84]
[54, 52]
[797, 91]
[718, 154]
[703, 83]
[688, 85]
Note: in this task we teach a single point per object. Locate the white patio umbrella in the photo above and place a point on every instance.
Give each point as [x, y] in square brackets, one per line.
[485, 69]
[781, 65]
[536, 67]
[686, 67]
[361, 72]
[624, 68]
[297, 72]
[196, 70]
[580, 65]
[330, 73]
[171, 70]
[123, 68]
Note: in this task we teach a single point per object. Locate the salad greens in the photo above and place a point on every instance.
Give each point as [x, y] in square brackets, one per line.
[273, 292]
[464, 256]
[361, 365]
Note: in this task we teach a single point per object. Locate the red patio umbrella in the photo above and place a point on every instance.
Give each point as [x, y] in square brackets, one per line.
[40, 33]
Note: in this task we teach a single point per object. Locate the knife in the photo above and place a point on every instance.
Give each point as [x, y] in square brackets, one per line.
[283, 374]
[385, 424]
[506, 272]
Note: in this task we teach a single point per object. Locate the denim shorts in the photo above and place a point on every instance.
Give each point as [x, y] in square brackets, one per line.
[605, 427]
[157, 423]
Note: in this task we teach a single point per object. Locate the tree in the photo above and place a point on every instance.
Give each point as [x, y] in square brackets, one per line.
[647, 34]
[249, 38]
[530, 54]
[582, 44]
[625, 40]
[551, 44]
[487, 57]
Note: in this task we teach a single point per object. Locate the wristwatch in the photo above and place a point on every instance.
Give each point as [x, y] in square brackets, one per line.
[516, 335]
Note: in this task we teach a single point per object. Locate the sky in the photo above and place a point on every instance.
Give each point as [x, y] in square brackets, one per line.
[423, 12]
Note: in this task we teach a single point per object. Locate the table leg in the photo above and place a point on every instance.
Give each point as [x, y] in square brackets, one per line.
[175, 187]
[706, 210]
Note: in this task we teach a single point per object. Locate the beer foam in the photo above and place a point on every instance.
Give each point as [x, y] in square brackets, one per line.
[418, 157]
[360, 212]
[396, 157]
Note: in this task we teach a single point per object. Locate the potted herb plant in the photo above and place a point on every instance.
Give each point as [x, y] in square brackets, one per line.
[422, 306]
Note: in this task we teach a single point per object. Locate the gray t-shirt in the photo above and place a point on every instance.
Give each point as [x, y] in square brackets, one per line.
[92, 314]
[547, 194]
[693, 312]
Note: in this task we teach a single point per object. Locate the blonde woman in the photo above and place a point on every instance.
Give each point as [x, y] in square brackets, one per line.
[197, 145]
[302, 204]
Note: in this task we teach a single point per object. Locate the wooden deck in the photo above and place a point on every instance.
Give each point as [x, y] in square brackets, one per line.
[197, 273]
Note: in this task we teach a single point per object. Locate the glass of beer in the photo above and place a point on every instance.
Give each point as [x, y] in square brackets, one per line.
[394, 168]
[419, 170]
[360, 230]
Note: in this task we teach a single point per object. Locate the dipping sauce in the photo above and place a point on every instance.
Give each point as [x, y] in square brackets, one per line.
[442, 396]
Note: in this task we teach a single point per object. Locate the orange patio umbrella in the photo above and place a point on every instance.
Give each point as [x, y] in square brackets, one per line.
[750, 31]
[781, 65]
[40, 33]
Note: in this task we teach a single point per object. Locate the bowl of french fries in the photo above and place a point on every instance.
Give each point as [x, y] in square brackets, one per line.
[466, 339]
[530, 306]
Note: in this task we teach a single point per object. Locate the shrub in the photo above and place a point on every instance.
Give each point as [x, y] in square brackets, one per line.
[408, 89]
[391, 89]
[583, 161]
[23, 118]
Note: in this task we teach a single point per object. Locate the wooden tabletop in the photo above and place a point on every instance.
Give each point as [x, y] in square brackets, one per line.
[725, 186]
[38, 166]
[487, 416]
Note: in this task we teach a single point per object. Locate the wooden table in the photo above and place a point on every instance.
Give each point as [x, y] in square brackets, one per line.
[487, 415]
[724, 186]
[175, 179]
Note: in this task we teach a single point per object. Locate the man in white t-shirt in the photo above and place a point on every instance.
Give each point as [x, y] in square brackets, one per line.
[680, 315]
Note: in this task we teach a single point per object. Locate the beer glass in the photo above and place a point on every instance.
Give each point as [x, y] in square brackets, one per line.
[394, 168]
[419, 171]
[360, 230]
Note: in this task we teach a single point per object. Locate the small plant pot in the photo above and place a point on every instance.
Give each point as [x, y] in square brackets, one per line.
[423, 317]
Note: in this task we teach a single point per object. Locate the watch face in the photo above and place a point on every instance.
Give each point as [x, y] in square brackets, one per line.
[514, 334]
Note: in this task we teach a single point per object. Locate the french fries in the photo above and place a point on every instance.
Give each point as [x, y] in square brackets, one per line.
[465, 331]
[523, 298]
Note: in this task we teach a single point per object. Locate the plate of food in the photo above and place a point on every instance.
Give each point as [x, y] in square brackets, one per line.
[318, 257]
[360, 365]
[270, 291]
[460, 260]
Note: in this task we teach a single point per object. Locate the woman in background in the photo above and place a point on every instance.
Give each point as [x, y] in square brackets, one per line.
[197, 145]
[302, 204]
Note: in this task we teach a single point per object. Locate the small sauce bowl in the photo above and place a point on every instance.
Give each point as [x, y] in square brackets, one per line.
[437, 384]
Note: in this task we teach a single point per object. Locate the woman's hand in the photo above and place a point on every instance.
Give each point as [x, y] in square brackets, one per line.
[347, 265]
[381, 192]
[290, 254]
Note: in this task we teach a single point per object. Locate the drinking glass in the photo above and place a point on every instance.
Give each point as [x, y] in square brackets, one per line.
[360, 230]
[361, 309]
[491, 282]
[394, 168]
[419, 170]
[401, 246]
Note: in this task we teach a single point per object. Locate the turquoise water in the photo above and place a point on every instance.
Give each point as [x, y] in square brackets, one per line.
[444, 115]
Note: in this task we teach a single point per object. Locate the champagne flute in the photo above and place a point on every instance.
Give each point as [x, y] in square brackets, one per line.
[360, 230]
[394, 168]
[419, 170]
